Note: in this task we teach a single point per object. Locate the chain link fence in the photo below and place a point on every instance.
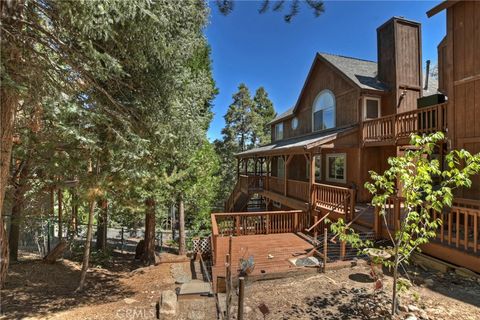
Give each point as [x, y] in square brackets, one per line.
[39, 235]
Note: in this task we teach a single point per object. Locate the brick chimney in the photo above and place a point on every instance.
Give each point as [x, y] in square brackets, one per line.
[400, 64]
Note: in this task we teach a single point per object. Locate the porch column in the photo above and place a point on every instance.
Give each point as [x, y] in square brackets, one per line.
[286, 162]
[311, 182]
[267, 176]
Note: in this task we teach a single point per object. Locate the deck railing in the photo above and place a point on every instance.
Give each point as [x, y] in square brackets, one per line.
[460, 225]
[393, 127]
[298, 190]
[329, 197]
[276, 184]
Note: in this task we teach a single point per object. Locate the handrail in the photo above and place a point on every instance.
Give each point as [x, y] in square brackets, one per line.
[262, 213]
[400, 125]
[325, 216]
[351, 222]
[331, 186]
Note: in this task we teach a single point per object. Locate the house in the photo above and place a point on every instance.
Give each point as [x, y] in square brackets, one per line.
[350, 116]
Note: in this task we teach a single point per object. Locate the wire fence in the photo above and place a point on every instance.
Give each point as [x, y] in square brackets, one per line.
[39, 235]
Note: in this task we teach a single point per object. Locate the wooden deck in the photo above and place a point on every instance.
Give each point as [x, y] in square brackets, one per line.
[271, 254]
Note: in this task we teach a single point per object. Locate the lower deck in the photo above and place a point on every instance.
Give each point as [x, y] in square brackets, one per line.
[271, 255]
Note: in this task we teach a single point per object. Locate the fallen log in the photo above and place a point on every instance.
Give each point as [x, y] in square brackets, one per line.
[56, 253]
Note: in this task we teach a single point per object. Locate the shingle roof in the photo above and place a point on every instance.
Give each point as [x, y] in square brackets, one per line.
[301, 142]
[362, 72]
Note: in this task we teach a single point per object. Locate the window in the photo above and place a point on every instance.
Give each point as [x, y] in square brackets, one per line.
[279, 131]
[337, 167]
[294, 123]
[324, 111]
[371, 109]
[280, 167]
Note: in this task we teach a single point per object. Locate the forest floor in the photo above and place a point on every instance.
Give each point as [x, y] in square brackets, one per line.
[35, 290]
[348, 294]
[124, 290]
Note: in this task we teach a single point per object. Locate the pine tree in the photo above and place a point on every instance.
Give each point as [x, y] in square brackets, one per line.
[263, 113]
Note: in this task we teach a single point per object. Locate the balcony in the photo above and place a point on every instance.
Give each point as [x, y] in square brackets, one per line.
[396, 129]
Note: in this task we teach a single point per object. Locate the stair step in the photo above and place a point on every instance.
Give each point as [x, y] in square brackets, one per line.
[195, 288]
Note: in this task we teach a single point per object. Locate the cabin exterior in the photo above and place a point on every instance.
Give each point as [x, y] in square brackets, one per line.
[351, 115]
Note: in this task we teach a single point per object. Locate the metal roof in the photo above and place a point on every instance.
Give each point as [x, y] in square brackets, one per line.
[305, 142]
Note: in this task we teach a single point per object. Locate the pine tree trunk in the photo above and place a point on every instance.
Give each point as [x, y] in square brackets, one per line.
[86, 253]
[181, 226]
[17, 209]
[74, 217]
[60, 213]
[149, 245]
[102, 225]
[11, 14]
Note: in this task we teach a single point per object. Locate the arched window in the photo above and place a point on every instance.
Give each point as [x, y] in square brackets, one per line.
[324, 111]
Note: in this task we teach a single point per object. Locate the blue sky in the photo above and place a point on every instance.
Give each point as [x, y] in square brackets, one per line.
[263, 50]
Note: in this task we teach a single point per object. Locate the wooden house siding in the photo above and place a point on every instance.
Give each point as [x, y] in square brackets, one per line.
[323, 77]
[400, 64]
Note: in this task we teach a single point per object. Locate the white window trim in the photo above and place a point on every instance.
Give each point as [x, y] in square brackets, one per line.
[334, 109]
[280, 124]
[365, 107]
[336, 155]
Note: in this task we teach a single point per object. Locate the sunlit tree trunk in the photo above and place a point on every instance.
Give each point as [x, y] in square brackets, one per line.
[10, 13]
[88, 241]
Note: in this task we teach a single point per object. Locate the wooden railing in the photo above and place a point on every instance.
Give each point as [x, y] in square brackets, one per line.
[298, 190]
[333, 197]
[249, 223]
[397, 126]
[460, 225]
[276, 184]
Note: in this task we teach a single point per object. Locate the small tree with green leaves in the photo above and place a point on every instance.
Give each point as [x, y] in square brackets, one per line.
[426, 189]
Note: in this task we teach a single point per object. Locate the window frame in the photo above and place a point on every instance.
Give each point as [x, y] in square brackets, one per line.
[278, 125]
[334, 109]
[336, 155]
[280, 166]
[365, 107]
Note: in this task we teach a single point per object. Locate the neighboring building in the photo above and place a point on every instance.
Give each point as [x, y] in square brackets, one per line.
[352, 114]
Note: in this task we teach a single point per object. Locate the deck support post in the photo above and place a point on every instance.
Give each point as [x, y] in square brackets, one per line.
[325, 246]
[315, 233]
[237, 225]
[241, 295]
[343, 246]
[377, 223]
[295, 222]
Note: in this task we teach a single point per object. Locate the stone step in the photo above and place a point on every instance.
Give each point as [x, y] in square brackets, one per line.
[195, 289]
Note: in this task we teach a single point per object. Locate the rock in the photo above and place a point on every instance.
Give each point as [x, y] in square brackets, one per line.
[423, 315]
[247, 309]
[129, 300]
[411, 317]
[403, 308]
[168, 303]
[429, 282]
[413, 308]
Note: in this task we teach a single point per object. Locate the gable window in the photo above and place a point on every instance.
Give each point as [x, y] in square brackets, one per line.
[280, 167]
[279, 131]
[371, 108]
[337, 167]
[295, 123]
[324, 111]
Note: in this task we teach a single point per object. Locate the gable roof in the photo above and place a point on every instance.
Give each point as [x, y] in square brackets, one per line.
[361, 72]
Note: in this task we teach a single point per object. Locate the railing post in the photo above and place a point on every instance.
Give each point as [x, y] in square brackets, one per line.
[325, 245]
[237, 225]
[268, 224]
[377, 225]
[396, 213]
[295, 222]
[315, 219]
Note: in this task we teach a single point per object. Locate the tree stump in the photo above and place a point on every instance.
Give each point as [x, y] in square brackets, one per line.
[56, 253]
